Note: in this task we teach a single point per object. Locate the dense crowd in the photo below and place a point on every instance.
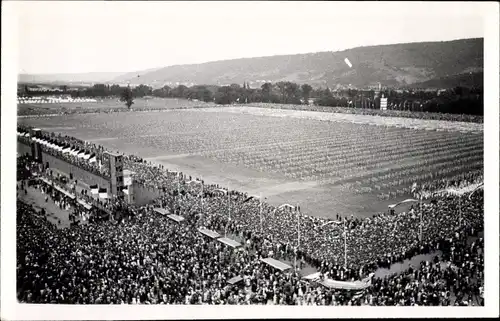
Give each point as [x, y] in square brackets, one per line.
[322, 244]
[153, 260]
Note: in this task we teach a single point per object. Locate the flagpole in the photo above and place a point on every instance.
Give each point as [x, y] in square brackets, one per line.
[260, 213]
[178, 190]
[298, 235]
[229, 195]
[202, 196]
[421, 216]
[298, 225]
[460, 209]
[228, 210]
[345, 246]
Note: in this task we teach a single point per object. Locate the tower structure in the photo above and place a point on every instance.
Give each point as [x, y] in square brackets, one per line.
[116, 173]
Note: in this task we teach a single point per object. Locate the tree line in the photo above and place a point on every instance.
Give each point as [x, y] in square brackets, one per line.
[458, 100]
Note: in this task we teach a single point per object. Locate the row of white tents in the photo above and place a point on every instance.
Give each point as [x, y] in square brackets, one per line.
[55, 101]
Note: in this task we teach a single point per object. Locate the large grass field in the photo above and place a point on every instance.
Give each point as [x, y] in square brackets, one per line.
[105, 105]
[326, 163]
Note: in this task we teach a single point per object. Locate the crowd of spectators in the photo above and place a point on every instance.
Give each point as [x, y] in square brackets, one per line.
[150, 259]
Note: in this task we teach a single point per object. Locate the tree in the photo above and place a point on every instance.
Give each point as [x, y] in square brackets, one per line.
[115, 90]
[282, 89]
[162, 92]
[292, 91]
[98, 90]
[306, 92]
[266, 92]
[326, 98]
[142, 90]
[127, 97]
[180, 91]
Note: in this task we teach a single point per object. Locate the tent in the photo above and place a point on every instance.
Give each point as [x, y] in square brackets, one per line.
[161, 211]
[356, 285]
[276, 264]
[229, 242]
[235, 280]
[176, 218]
[313, 276]
[209, 233]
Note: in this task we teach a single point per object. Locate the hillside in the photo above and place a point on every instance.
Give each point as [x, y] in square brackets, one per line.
[393, 65]
[465, 80]
[132, 75]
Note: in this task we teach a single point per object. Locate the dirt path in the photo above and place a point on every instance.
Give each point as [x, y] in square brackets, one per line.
[54, 214]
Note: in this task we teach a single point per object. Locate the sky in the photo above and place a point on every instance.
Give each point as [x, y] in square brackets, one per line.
[89, 36]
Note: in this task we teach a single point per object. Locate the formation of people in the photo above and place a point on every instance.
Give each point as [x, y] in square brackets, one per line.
[378, 112]
[146, 258]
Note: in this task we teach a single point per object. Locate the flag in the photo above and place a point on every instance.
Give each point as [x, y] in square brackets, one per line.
[414, 187]
[94, 189]
[103, 193]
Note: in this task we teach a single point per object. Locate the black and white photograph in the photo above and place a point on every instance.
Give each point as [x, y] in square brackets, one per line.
[249, 159]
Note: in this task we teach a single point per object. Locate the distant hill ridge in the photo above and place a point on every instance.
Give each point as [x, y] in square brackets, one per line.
[392, 65]
[68, 78]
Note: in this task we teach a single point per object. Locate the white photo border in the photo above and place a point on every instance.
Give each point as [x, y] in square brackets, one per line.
[12, 310]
